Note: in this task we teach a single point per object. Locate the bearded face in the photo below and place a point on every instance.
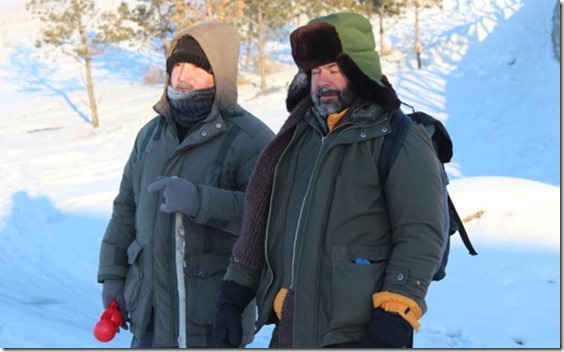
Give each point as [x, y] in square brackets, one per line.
[330, 90]
[329, 101]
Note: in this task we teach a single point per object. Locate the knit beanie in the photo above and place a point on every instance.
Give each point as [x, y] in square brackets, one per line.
[188, 50]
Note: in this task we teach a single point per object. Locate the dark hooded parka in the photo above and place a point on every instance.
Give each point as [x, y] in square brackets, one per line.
[139, 243]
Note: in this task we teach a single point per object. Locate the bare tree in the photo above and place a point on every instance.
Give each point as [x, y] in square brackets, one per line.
[80, 30]
[385, 9]
[417, 44]
[265, 18]
[417, 5]
[162, 19]
[316, 8]
[158, 19]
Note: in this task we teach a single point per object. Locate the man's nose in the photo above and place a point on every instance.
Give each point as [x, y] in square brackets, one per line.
[324, 79]
[186, 73]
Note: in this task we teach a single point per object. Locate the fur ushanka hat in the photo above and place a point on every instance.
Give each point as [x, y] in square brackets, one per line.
[348, 40]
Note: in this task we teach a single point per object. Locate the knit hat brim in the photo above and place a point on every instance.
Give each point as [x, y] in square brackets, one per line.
[188, 50]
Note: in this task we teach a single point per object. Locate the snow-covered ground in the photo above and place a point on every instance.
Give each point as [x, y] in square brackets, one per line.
[488, 73]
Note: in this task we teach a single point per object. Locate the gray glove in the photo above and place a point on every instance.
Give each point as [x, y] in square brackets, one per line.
[179, 195]
[113, 289]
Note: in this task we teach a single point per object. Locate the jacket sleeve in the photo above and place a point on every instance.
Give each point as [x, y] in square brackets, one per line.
[120, 231]
[413, 192]
[223, 208]
[242, 275]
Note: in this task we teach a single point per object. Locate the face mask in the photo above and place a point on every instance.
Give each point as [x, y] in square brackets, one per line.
[190, 106]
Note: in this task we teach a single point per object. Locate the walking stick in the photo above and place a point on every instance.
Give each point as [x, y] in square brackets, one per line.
[180, 241]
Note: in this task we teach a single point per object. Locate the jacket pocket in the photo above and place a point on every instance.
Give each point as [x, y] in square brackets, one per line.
[357, 273]
[204, 274]
[134, 275]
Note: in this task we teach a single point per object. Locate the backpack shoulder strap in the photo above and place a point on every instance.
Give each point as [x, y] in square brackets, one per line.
[218, 164]
[399, 124]
[226, 144]
[460, 227]
[150, 133]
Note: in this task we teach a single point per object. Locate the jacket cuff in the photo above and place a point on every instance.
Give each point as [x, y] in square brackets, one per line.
[404, 306]
[202, 215]
[102, 278]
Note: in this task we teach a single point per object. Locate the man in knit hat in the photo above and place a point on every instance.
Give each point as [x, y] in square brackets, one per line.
[334, 257]
[195, 158]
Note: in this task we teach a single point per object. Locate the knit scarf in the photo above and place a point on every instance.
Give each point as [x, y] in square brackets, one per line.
[187, 107]
[249, 248]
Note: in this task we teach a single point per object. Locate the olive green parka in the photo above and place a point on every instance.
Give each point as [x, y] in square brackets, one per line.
[318, 221]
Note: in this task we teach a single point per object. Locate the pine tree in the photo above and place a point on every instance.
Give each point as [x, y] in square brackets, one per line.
[80, 30]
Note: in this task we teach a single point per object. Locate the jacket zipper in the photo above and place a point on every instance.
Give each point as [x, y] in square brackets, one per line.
[315, 168]
[267, 262]
[300, 216]
[267, 232]
[308, 189]
[302, 208]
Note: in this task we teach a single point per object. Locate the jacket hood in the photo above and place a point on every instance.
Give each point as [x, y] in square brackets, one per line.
[221, 44]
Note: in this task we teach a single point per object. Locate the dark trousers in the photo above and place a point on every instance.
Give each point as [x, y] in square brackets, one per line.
[274, 341]
[146, 341]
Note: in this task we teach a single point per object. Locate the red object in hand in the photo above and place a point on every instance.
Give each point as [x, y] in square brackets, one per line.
[109, 323]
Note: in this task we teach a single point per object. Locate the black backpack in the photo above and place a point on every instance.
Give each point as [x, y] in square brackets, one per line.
[442, 143]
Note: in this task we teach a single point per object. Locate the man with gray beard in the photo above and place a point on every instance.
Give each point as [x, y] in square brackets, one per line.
[334, 257]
